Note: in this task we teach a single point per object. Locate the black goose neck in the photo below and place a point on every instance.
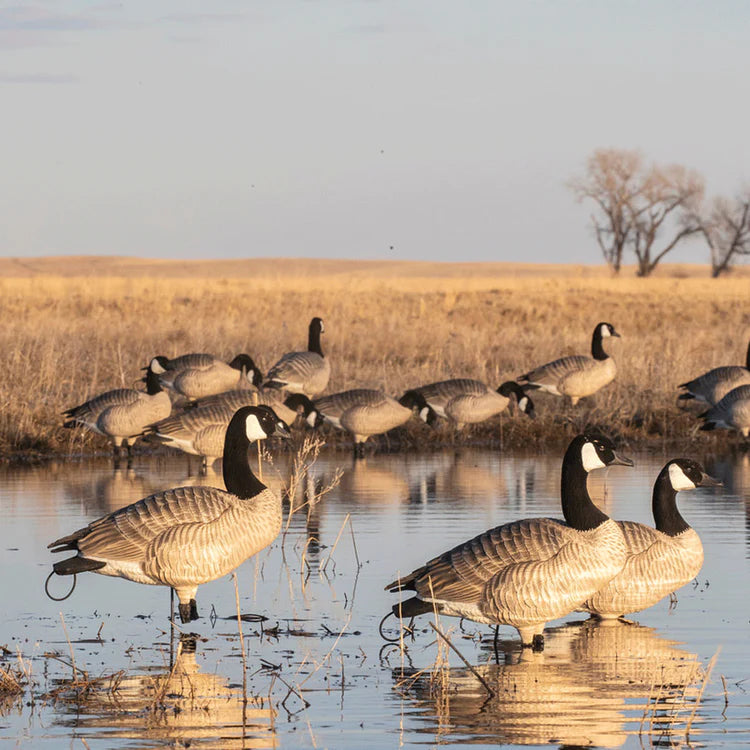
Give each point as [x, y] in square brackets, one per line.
[597, 347]
[238, 476]
[664, 505]
[579, 511]
[413, 400]
[153, 386]
[313, 337]
[747, 357]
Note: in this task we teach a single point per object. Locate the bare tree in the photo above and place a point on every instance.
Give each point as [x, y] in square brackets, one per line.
[667, 193]
[611, 181]
[726, 227]
[637, 204]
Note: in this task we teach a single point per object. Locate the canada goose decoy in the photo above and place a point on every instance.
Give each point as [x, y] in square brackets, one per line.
[364, 412]
[527, 572]
[303, 372]
[122, 414]
[189, 535]
[198, 375]
[731, 413]
[713, 385]
[286, 406]
[200, 431]
[576, 376]
[465, 401]
[659, 560]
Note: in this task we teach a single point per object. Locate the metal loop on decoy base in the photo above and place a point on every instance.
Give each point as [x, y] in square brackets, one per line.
[403, 629]
[59, 598]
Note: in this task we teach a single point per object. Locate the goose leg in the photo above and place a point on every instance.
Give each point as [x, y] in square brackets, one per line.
[537, 644]
[184, 610]
[194, 610]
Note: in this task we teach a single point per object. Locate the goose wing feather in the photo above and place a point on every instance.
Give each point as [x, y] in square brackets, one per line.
[125, 534]
[93, 407]
[460, 574]
[553, 372]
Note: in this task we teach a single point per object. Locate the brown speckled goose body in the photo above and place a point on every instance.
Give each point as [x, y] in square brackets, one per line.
[122, 414]
[466, 401]
[527, 572]
[303, 372]
[660, 560]
[731, 413]
[713, 385]
[199, 375]
[364, 412]
[576, 376]
[188, 535]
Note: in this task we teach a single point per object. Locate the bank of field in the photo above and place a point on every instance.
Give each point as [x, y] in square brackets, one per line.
[76, 327]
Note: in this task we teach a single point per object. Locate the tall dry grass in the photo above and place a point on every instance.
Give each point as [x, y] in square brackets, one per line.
[65, 339]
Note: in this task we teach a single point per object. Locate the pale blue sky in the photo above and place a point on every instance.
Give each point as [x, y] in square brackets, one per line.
[445, 130]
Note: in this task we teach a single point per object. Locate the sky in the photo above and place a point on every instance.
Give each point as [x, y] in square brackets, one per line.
[416, 129]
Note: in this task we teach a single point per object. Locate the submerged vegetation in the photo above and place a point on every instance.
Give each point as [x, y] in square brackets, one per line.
[388, 326]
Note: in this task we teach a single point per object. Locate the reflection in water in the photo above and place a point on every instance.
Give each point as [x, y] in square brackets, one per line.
[182, 706]
[576, 692]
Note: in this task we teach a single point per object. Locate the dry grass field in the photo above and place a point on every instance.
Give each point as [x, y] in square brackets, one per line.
[73, 327]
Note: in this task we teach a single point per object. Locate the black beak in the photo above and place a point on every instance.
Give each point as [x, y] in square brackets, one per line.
[621, 461]
[708, 481]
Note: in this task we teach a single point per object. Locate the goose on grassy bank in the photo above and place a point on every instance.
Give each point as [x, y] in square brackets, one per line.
[122, 414]
[364, 412]
[303, 372]
[466, 401]
[713, 385]
[576, 376]
[199, 375]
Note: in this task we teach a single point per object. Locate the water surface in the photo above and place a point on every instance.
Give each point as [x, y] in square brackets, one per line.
[318, 674]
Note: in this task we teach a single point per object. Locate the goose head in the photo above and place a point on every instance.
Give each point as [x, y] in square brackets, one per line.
[597, 451]
[525, 404]
[245, 363]
[251, 423]
[677, 475]
[302, 405]
[151, 378]
[603, 330]
[159, 364]
[415, 401]
[686, 474]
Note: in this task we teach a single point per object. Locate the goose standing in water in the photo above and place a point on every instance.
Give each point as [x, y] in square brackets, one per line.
[364, 412]
[465, 401]
[189, 535]
[527, 572]
[303, 372]
[198, 375]
[713, 385]
[122, 414]
[576, 376]
[659, 560]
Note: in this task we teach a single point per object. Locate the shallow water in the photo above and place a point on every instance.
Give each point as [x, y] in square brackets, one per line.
[318, 674]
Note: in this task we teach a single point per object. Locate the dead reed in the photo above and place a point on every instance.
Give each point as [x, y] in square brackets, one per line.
[67, 338]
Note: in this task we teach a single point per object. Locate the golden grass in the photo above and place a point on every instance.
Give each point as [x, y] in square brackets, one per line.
[388, 325]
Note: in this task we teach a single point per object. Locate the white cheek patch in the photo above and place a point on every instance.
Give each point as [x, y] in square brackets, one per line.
[523, 403]
[604, 331]
[156, 367]
[680, 480]
[424, 413]
[312, 418]
[253, 429]
[590, 458]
